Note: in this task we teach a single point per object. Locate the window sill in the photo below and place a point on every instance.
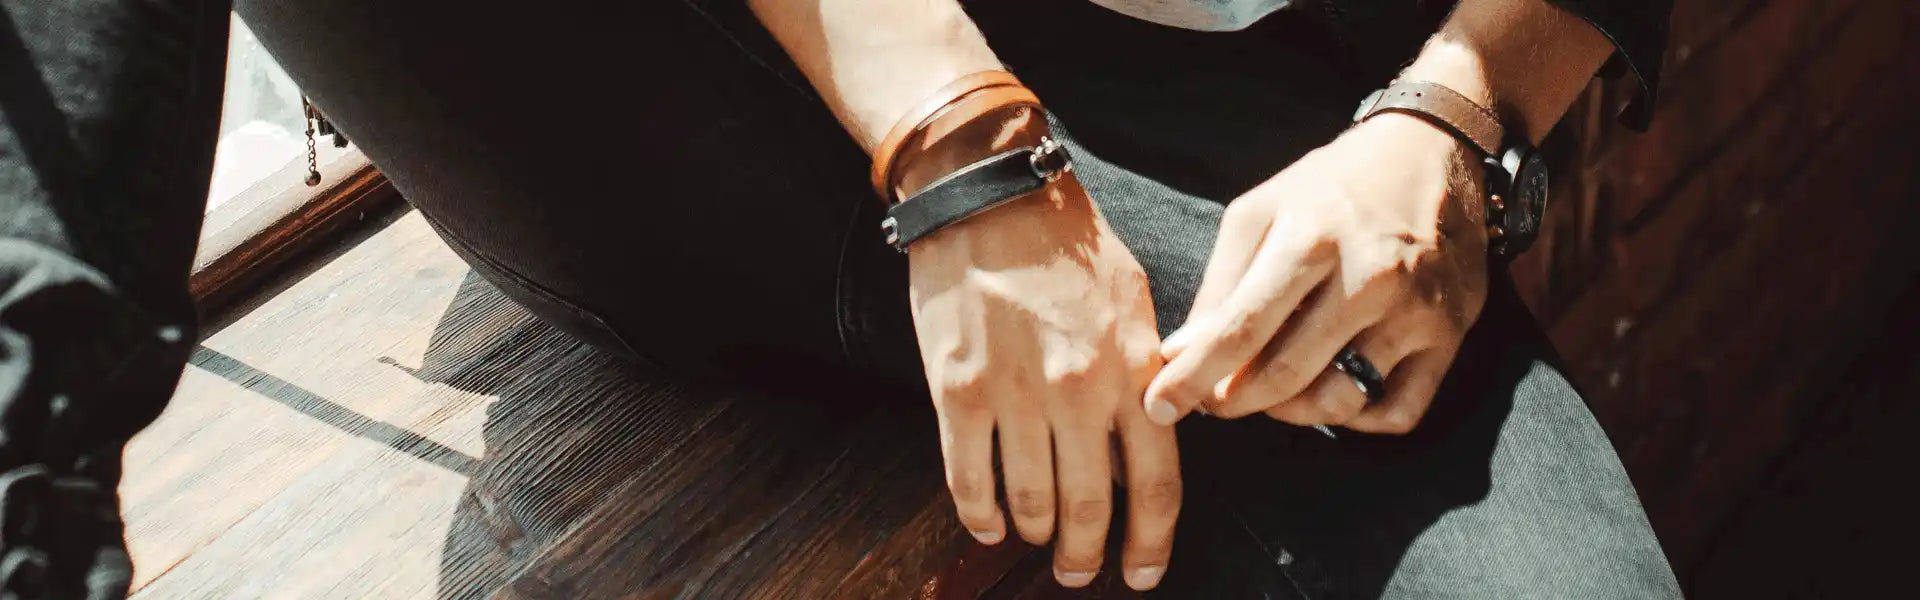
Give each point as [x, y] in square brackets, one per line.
[249, 236]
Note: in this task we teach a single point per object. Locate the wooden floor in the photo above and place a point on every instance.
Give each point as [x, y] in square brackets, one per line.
[386, 425]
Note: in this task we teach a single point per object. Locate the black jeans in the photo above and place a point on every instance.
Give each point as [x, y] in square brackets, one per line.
[656, 178]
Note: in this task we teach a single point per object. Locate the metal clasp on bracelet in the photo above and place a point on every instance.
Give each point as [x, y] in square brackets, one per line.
[1050, 160]
[891, 227]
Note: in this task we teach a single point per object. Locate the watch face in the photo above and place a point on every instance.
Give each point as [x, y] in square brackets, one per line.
[1527, 202]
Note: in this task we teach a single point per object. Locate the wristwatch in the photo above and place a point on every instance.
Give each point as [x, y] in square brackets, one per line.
[1516, 174]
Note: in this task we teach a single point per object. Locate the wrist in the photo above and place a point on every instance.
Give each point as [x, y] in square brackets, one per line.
[1456, 159]
[1464, 70]
[1403, 130]
[1526, 60]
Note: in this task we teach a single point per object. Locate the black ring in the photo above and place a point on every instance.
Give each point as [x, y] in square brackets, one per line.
[1364, 376]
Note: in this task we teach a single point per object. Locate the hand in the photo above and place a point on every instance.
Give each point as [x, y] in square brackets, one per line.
[1375, 241]
[1034, 320]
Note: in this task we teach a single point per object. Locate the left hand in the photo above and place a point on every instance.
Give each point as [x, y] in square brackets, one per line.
[1375, 241]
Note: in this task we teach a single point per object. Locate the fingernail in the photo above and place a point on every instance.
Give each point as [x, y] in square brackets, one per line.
[1160, 411]
[1073, 579]
[988, 537]
[1144, 578]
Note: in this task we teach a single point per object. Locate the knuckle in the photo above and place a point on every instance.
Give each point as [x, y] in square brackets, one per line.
[1031, 503]
[961, 393]
[1223, 408]
[1069, 373]
[1237, 331]
[1188, 387]
[1279, 374]
[1141, 351]
[1340, 408]
[1237, 211]
[1299, 412]
[1089, 512]
[1161, 495]
[1077, 560]
[974, 515]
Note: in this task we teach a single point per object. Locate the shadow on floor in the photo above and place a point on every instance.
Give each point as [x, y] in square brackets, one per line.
[604, 478]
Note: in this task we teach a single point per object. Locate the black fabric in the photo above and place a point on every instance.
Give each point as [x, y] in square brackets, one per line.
[971, 190]
[1378, 30]
[108, 112]
[1638, 30]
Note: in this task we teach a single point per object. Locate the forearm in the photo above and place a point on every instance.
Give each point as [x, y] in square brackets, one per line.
[1525, 58]
[872, 60]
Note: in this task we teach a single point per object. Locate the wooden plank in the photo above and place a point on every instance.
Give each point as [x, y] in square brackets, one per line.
[778, 497]
[255, 412]
[244, 239]
[387, 425]
[1714, 376]
[1653, 263]
[1710, 99]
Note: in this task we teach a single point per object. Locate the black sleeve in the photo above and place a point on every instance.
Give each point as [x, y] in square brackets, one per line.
[1638, 30]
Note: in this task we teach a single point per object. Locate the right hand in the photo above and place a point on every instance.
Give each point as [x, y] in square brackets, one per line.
[1034, 320]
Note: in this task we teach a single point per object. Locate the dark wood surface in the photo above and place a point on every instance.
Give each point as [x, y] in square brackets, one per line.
[1710, 280]
[381, 423]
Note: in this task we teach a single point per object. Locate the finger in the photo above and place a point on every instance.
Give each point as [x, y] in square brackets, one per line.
[1332, 399]
[966, 445]
[1226, 339]
[1298, 354]
[1275, 375]
[1390, 341]
[1326, 402]
[1086, 501]
[1026, 464]
[1233, 252]
[1176, 343]
[1410, 390]
[1153, 496]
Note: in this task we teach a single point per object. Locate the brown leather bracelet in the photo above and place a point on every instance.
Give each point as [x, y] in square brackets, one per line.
[923, 114]
[963, 110]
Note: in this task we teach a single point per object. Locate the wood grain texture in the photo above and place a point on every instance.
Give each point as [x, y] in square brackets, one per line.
[382, 423]
[1708, 280]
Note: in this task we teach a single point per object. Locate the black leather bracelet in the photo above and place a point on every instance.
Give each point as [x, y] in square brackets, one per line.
[974, 189]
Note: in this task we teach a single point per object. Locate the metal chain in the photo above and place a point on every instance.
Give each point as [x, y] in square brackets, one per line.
[313, 154]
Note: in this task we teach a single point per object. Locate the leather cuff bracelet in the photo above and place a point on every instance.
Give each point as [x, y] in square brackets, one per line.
[974, 189]
[924, 114]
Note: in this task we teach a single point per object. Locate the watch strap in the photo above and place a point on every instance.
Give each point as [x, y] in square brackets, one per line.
[1442, 106]
[974, 189]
